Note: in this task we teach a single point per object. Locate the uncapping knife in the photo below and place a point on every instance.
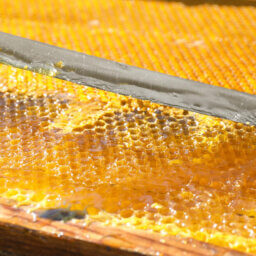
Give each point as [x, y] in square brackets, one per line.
[127, 80]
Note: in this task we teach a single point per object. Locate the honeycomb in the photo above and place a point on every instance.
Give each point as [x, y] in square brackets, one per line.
[124, 161]
[211, 41]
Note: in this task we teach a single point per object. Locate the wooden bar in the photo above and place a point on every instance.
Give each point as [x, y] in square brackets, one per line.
[23, 234]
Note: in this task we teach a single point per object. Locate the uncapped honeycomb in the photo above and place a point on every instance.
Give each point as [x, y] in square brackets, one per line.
[211, 41]
[207, 180]
[125, 161]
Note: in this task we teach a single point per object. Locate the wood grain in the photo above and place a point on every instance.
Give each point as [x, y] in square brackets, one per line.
[22, 234]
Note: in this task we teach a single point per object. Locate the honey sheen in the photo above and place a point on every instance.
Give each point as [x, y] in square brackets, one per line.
[126, 161]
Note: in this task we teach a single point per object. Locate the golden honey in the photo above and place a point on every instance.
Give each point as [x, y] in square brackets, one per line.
[203, 40]
[126, 161]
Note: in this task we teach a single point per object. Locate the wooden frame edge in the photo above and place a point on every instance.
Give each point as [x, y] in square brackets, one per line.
[22, 234]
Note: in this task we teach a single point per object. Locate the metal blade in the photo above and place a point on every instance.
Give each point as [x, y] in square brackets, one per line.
[127, 80]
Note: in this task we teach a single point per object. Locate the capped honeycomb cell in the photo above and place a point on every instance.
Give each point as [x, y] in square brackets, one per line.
[122, 161]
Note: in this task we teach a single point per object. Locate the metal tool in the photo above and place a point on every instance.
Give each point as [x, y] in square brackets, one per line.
[127, 80]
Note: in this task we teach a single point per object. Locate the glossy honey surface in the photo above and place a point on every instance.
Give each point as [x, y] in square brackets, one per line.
[126, 161]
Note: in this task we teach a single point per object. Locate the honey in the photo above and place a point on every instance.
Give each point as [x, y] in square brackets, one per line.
[125, 161]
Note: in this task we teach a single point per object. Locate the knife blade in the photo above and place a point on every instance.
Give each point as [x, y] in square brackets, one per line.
[128, 80]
